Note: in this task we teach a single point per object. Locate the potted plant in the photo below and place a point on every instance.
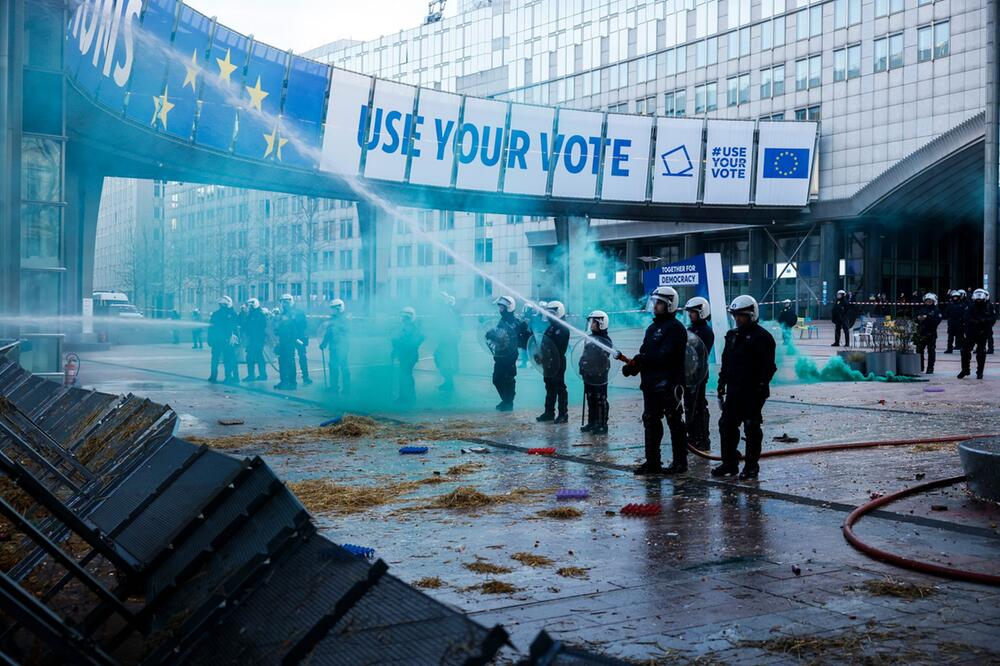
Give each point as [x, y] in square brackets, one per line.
[907, 359]
[882, 359]
[854, 359]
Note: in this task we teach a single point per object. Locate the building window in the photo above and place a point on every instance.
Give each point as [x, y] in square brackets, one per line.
[706, 98]
[774, 117]
[933, 41]
[346, 290]
[846, 12]
[484, 287]
[346, 259]
[484, 250]
[772, 82]
[847, 63]
[404, 256]
[886, 7]
[854, 61]
[896, 50]
[512, 258]
[739, 43]
[707, 52]
[808, 72]
[425, 256]
[772, 33]
[809, 22]
[645, 106]
[738, 90]
[808, 113]
[675, 103]
[447, 220]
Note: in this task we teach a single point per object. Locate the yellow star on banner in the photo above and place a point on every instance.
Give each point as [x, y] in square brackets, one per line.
[257, 95]
[226, 67]
[191, 78]
[162, 107]
[275, 142]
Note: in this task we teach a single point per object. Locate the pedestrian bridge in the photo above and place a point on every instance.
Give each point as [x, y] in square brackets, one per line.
[159, 90]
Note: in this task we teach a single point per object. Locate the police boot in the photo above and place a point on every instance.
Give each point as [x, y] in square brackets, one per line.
[648, 468]
[749, 472]
[562, 418]
[545, 417]
[724, 470]
[965, 373]
[676, 468]
[601, 421]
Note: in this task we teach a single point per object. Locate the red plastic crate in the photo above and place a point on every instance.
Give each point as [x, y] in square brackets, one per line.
[542, 451]
[641, 510]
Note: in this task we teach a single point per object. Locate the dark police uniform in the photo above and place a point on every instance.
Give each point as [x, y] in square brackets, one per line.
[977, 324]
[954, 312]
[747, 369]
[841, 317]
[446, 353]
[302, 334]
[695, 402]
[287, 332]
[788, 319]
[222, 326]
[595, 363]
[406, 351]
[555, 342]
[255, 334]
[335, 340]
[928, 319]
[660, 363]
[504, 340]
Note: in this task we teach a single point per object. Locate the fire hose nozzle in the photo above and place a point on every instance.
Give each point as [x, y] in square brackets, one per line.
[623, 358]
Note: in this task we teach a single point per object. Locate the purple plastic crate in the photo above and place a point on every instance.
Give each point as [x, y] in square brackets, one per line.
[572, 493]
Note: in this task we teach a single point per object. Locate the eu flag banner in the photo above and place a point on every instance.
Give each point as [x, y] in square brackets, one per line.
[786, 153]
[222, 89]
[174, 107]
[786, 163]
[148, 66]
[302, 114]
[260, 104]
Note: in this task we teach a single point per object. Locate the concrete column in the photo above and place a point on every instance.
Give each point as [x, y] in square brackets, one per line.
[572, 236]
[375, 229]
[83, 202]
[692, 245]
[758, 262]
[955, 248]
[830, 251]
[632, 268]
[11, 46]
[873, 259]
[992, 153]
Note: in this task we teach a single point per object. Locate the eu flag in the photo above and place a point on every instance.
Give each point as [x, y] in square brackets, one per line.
[186, 69]
[148, 67]
[303, 111]
[260, 103]
[221, 89]
[786, 163]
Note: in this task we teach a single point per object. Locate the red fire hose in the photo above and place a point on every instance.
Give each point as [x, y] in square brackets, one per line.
[906, 563]
[851, 445]
[855, 516]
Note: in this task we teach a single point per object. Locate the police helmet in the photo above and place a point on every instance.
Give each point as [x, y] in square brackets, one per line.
[667, 295]
[506, 302]
[699, 305]
[980, 295]
[601, 317]
[556, 308]
[745, 304]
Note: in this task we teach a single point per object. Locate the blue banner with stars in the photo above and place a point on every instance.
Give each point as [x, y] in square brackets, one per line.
[302, 115]
[174, 107]
[222, 89]
[260, 104]
[149, 68]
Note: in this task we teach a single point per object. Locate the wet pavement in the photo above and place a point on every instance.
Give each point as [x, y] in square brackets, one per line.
[727, 573]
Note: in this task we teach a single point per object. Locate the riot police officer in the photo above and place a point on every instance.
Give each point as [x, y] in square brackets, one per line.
[747, 369]
[595, 362]
[695, 402]
[954, 312]
[928, 319]
[336, 343]
[504, 340]
[552, 358]
[840, 314]
[660, 364]
[286, 329]
[788, 319]
[449, 332]
[222, 328]
[977, 324]
[254, 327]
[298, 317]
[406, 352]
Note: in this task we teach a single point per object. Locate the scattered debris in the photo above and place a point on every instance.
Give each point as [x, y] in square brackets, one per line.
[493, 587]
[784, 438]
[573, 572]
[231, 422]
[938, 507]
[429, 583]
[889, 587]
[797, 570]
[641, 510]
[532, 560]
[541, 451]
[572, 493]
[465, 468]
[561, 513]
[476, 449]
[324, 496]
[468, 497]
[412, 450]
[360, 551]
[483, 566]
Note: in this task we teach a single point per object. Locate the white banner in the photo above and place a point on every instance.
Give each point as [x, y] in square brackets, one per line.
[480, 144]
[784, 163]
[577, 151]
[529, 142]
[348, 106]
[388, 135]
[626, 158]
[677, 163]
[728, 162]
[432, 154]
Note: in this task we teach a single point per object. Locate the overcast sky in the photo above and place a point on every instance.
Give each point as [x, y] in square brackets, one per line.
[305, 24]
